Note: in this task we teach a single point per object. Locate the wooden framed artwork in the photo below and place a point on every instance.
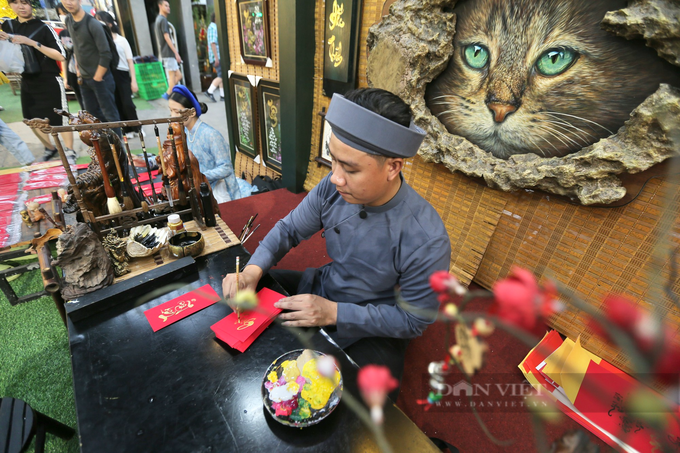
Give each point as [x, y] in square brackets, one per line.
[253, 24]
[243, 114]
[343, 19]
[324, 157]
[269, 106]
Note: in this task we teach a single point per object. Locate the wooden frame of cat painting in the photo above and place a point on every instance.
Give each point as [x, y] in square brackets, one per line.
[253, 25]
[341, 45]
[244, 117]
[269, 108]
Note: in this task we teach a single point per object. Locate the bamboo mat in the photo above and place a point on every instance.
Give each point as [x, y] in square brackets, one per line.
[594, 252]
[217, 238]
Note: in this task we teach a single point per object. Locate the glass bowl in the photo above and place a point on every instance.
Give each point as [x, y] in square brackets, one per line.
[316, 415]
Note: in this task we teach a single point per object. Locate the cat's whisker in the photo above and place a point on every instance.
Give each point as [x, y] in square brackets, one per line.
[445, 96]
[538, 148]
[565, 135]
[549, 131]
[445, 112]
[585, 141]
[549, 143]
[440, 103]
[453, 96]
[582, 119]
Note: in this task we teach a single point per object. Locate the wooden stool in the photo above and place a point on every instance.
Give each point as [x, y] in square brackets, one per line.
[19, 422]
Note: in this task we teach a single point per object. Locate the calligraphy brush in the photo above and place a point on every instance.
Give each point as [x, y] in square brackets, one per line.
[180, 186]
[127, 201]
[238, 311]
[250, 234]
[166, 184]
[145, 205]
[148, 168]
[111, 201]
[245, 227]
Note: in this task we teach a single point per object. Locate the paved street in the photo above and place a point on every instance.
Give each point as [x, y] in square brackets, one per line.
[215, 116]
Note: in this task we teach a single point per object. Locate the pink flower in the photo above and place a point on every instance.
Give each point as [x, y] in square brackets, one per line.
[520, 301]
[445, 283]
[648, 333]
[375, 382]
[667, 368]
[627, 316]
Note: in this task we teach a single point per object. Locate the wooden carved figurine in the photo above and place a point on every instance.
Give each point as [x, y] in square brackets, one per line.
[171, 166]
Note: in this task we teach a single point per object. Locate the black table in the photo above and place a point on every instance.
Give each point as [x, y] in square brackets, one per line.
[181, 389]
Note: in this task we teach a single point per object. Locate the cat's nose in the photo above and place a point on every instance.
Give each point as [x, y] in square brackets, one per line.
[500, 111]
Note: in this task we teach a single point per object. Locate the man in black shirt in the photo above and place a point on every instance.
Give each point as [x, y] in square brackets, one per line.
[93, 57]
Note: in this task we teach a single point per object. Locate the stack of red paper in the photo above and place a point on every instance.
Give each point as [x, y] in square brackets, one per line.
[157, 186]
[594, 393]
[240, 335]
[144, 176]
[46, 178]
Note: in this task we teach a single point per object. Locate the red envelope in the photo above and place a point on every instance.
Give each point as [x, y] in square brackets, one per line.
[181, 307]
[241, 335]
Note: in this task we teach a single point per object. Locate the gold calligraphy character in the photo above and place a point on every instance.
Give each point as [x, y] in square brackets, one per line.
[335, 17]
[335, 53]
[246, 324]
[273, 113]
[177, 309]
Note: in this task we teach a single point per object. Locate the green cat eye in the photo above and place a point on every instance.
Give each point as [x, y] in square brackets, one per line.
[476, 56]
[555, 61]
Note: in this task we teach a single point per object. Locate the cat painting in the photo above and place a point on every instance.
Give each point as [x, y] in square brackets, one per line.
[541, 76]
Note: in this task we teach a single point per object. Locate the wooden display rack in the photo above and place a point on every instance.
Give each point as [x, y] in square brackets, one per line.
[126, 219]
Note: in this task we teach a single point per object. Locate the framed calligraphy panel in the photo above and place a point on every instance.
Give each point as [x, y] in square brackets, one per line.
[253, 24]
[243, 114]
[324, 157]
[269, 106]
[341, 52]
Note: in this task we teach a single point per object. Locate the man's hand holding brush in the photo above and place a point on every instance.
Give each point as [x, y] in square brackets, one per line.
[248, 279]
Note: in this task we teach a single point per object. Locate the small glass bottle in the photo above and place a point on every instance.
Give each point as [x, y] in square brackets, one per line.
[206, 200]
[175, 224]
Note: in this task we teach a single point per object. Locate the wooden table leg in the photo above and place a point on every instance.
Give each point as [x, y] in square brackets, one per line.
[59, 302]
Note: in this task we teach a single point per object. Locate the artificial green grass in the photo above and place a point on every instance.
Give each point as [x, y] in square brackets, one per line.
[35, 363]
[12, 105]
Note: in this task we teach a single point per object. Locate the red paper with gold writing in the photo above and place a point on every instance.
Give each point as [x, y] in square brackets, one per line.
[253, 322]
[181, 307]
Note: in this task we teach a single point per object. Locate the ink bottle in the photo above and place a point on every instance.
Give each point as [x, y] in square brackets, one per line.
[175, 224]
[206, 201]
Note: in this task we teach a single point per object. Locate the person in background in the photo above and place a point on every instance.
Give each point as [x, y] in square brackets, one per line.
[93, 58]
[70, 74]
[15, 145]
[44, 91]
[214, 58]
[166, 48]
[207, 144]
[124, 75]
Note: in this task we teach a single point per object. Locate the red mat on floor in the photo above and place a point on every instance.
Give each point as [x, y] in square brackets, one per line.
[503, 413]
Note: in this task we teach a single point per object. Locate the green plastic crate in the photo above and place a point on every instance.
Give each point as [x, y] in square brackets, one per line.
[151, 80]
